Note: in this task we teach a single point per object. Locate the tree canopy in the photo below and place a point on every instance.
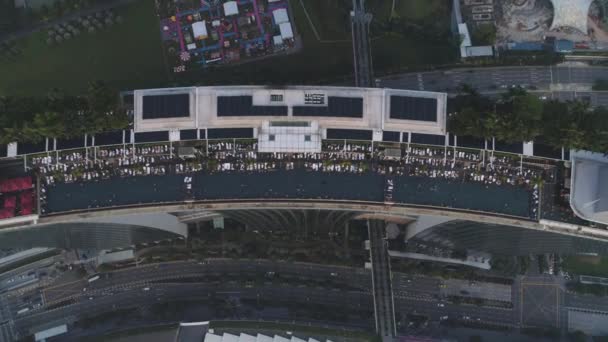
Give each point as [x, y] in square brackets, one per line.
[519, 116]
[31, 119]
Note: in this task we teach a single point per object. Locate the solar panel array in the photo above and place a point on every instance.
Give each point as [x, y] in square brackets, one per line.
[155, 136]
[109, 138]
[230, 133]
[25, 148]
[350, 134]
[166, 106]
[427, 139]
[63, 144]
[187, 134]
[390, 136]
[413, 108]
[349, 107]
[243, 106]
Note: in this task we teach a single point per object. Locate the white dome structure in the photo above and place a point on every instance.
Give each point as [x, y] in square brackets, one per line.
[571, 13]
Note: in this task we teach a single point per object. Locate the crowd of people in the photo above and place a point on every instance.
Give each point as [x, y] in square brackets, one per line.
[416, 161]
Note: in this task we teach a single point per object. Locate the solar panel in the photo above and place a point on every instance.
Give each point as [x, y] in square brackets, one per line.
[413, 108]
[166, 106]
[349, 107]
[152, 136]
[243, 106]
[509, 147]
[350, 134]
[25, 148]
[108, 138]
[390, 136]
[543, 150]
[187, 134]
[471, 142]
[63, 144]
[230, 133]
[428, 139]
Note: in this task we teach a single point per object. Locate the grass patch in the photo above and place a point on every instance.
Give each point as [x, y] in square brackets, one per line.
[323, 63]
[331, 18]
[125, 55]
[420, 9]
[586, 265]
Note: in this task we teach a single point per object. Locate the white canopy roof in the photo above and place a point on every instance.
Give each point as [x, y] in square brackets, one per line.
[286, 31]
[231, 8]
[571, 13]
[199, 29]
[280, 16]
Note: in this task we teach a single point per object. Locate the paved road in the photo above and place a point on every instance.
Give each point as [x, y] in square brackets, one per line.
[415, 294]
[361, 47]
[381, 275]
[137, 296]
[495, 79]
[211, 270]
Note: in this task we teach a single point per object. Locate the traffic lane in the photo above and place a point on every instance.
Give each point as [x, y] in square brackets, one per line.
[488, 78]
[136, 296]
[434, 311]
[416, 283]
[147, 273]
[586, 302]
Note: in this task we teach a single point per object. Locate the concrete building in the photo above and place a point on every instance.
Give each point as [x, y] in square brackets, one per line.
[364, 109]
[589, 186]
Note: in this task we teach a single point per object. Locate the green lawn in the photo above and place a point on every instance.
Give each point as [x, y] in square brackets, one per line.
[332, 62]
[419, 10]
[330, 17]
[129, 55]
[587, 265]
[125, 55]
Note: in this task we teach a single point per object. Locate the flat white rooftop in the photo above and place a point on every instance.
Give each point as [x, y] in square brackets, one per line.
[376, 109]
[589, 186]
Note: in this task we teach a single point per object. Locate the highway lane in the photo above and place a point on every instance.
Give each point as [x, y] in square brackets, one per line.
[496, 78]
[460, 312]
[137, 296]
[348, 277]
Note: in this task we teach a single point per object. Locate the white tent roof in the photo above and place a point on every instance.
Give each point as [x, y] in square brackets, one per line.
[278, 40]
[231, 8]
[199, 29]
[571, 13]
[280, 16]
[286, 31]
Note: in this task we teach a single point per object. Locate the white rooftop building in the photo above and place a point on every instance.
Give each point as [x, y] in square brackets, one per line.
[291, 118]
[199, 30]
[589, 186]
[231, 8]
[571, 13]
[280, 16]
[286, 31]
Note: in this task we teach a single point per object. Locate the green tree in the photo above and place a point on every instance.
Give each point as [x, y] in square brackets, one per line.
[49, 124]
[484, 34]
